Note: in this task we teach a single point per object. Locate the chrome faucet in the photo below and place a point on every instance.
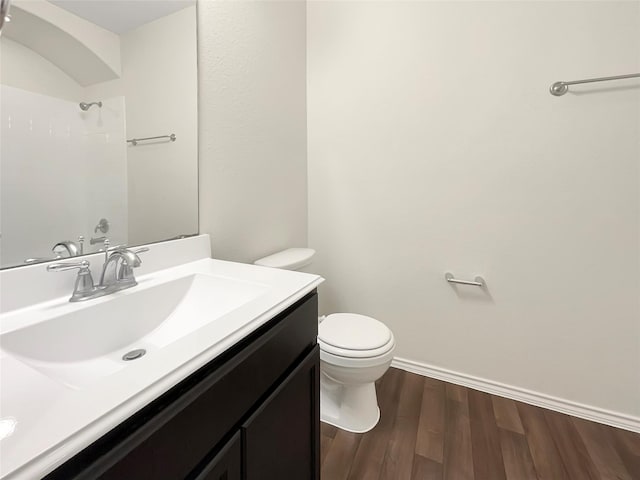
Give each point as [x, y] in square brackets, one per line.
[117, 274]
[70, 247]
[121, 275]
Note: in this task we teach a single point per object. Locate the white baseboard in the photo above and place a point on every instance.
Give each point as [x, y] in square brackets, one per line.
[588, 412]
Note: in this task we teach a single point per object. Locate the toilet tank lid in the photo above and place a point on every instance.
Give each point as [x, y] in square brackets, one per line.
[289, 259]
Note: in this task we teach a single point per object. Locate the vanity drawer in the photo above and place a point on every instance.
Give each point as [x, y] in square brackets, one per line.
[171, 436]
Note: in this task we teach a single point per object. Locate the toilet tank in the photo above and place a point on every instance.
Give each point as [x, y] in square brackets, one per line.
[289, 259]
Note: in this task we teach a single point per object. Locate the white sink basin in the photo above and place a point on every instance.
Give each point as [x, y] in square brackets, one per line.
[82, 346]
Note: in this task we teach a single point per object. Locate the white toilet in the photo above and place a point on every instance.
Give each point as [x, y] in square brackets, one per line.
[355, 351]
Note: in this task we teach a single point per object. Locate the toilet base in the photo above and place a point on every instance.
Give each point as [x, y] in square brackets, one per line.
[353, 407]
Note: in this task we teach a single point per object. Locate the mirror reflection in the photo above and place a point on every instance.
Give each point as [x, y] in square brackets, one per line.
[98, 102]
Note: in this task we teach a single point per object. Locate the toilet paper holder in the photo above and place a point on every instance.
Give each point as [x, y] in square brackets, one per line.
[477, 282]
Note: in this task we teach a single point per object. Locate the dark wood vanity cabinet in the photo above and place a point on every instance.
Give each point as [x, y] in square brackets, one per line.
[227, 464]
[276, 437]
[252, 413]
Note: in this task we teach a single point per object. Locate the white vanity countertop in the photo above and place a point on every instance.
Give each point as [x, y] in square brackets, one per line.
[53, 421]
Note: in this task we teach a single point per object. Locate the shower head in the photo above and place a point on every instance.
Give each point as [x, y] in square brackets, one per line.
[85, 106]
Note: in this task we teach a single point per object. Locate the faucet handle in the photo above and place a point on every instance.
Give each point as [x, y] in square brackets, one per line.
[108, 248]
[113, 248]
[40, 259]
[125, 274]
[62, 267]
[84, 286]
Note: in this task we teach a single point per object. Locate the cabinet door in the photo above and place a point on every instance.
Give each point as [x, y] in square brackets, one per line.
[227, 464]
[281, 440]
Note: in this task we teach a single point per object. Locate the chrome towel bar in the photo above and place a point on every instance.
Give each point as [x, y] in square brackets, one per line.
[134, 141]
[478, 281]
[560, 88]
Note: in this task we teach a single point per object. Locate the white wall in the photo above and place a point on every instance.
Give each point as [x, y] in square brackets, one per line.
[434, 146]
[253, 198]
[23, 68]
[85, 51]
[159, 77]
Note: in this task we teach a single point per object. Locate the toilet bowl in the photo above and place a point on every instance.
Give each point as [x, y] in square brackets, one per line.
[355, 351]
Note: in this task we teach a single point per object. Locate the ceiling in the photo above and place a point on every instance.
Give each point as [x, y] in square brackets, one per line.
[120, 16]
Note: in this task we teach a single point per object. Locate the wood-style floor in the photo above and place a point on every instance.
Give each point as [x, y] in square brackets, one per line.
[435, 430]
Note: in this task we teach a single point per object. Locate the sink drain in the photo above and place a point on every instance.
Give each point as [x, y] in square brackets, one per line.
[134, 354]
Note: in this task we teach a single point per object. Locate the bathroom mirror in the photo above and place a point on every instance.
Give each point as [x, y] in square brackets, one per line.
[99, 126]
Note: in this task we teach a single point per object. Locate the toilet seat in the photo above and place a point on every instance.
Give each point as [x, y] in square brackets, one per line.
[352, 331]
[347, 353]
[350, 335]
[346, 359]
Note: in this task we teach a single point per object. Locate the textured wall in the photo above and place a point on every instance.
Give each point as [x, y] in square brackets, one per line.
[253, 196]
